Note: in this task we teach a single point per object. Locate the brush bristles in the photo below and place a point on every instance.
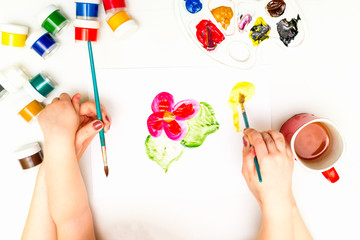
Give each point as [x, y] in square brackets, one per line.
[106, 169]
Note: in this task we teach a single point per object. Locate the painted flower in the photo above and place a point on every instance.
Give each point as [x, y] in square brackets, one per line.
[169, 117]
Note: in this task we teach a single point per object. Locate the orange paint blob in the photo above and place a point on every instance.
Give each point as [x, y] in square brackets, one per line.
[223, 15]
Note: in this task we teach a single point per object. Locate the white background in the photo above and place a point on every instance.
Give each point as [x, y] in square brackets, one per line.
[320, 77]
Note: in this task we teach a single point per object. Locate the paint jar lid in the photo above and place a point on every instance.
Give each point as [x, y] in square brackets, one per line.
[27, 150]
[34, 37]
[88, 1]
[14, 28]
[46, 12]
[86, 24]
[15, 76]
[126, 29]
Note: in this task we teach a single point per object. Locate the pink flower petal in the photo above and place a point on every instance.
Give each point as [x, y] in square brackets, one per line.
[186, 109]
[175, 130]
[163, 102]
[155, 124]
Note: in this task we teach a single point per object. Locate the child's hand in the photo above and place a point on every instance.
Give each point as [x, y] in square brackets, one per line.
[276, 167]
[65, 118]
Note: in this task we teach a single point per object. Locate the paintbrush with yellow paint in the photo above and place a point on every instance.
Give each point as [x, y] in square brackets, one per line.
[241, 93]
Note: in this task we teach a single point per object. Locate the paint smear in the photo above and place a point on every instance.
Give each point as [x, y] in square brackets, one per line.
[259, 32]
[202, 125]
[163, 151]
[193, 6]
[245, 88]
[208, 35]
[223, 15]
[288, 29]
[276, 7]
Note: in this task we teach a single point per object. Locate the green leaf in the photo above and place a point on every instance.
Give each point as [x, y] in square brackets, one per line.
[163, 151]
[203, 124]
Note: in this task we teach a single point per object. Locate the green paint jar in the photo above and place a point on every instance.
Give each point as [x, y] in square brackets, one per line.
[52, 20]
[40, 87]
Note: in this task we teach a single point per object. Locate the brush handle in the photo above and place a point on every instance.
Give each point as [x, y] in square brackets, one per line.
[255, 159]
[96, 93]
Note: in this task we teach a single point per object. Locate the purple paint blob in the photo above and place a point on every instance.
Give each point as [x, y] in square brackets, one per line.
[193, 6]
[244, 20]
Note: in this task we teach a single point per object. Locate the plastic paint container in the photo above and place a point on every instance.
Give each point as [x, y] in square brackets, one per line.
[40, 87]
[29, 155]
[86, 30]
[87, 9]
[31, 110]
[52, 20]
[42, 42]
[13, 35]
[122, 25]
[114, 5]
[3, 92]
[13, 78]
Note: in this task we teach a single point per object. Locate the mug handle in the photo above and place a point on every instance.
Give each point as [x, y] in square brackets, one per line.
[331, 175]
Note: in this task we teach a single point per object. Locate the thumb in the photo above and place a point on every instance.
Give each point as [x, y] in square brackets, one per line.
[88, 132]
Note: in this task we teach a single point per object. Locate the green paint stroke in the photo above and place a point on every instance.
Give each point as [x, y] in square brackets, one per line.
[203, 124]
[163, 150]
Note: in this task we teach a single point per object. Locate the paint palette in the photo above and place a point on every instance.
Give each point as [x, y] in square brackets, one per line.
[236, 48]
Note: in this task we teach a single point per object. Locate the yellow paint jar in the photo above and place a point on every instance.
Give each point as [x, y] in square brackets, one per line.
[122, 25]
[31, 110]
[13, 35]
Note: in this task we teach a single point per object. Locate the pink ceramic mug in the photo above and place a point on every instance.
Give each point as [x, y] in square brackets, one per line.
[326, 160]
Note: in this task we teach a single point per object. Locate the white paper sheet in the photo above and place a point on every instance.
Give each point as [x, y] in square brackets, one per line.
[203, 195]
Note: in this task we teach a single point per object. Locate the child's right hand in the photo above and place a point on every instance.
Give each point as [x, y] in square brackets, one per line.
[276, 167]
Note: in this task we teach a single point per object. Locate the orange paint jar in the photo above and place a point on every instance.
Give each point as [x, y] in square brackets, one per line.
[122, 25]
[31, 110]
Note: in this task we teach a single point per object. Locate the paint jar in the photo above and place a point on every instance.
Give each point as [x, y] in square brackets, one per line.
[29, 155]
[13, 35]
[3, 92]
[122, 25]
[40, 87]
[52, 20]
[30, 109]
[42, 43]
[114, 5]
[86, 30]
[87, 9]
[13, 78]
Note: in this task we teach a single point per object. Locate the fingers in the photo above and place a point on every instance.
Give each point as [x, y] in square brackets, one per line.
[269, 141]
[55, 100]
[256, 139]
[279, 140]
[85, 134]
[248, 167]
[89, 109]
[76, 102]
[65, 97]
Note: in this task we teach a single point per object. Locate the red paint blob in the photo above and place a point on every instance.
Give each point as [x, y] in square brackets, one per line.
[174, 128]
[209, 35]
[184, 110]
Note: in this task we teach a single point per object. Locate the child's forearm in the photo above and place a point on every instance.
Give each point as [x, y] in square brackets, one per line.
[300, 230]
[39, 224]
[68, 201]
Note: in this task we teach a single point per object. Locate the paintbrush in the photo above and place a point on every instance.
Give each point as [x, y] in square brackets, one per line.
[242, 101]
[98, 109]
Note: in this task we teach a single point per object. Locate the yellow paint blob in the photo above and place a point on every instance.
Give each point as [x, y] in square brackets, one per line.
[13, 39]
[31, 110]
[119, 18]
[223, 15]
[169, 116]
[248, 91]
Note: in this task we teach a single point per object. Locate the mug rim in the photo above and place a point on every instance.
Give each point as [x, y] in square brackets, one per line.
[321, 120]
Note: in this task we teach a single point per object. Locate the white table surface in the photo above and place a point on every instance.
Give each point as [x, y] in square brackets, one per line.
[320, 77]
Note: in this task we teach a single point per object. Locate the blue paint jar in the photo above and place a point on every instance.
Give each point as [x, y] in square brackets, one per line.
[87, 9]
[42, 43]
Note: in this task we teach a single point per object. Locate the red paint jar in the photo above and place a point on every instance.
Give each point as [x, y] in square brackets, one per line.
[86, 30]
[113, 5]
